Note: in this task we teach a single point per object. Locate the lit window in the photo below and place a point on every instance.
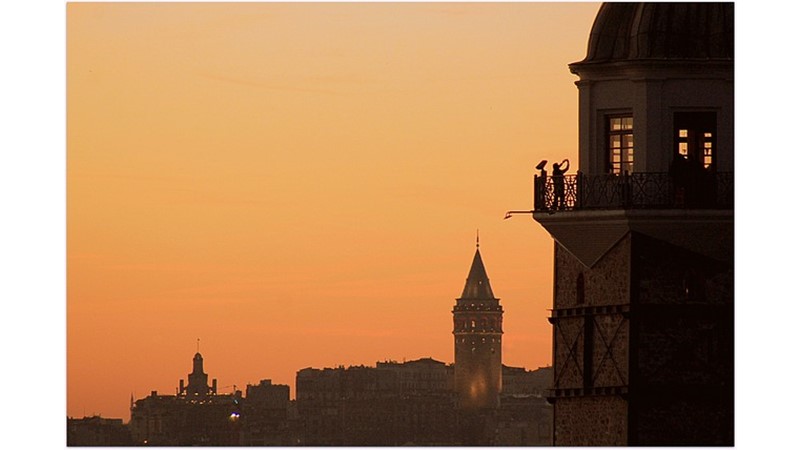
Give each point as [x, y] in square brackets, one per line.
[620, 144]
[695, 136]
[683, 147]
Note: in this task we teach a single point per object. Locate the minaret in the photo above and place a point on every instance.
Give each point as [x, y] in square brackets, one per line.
[478, 331]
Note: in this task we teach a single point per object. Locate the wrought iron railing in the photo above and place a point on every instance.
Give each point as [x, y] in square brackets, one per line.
[639, 190]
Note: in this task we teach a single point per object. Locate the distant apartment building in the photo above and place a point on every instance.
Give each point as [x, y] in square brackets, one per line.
[266, 416]
[524, 417]
[393, 403]
[521, 381]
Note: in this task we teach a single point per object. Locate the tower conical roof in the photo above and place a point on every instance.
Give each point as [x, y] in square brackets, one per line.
[477, 286]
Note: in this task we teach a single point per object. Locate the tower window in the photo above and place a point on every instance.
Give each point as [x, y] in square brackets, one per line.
[696, 137]
[619, 130]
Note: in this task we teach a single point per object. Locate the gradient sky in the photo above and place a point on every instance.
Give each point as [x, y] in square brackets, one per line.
[300, 185]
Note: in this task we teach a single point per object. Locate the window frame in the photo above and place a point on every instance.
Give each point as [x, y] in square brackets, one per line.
[626, 153]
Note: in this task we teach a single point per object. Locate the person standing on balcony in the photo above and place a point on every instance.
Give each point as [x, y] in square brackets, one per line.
[540, 186]
[558, 184]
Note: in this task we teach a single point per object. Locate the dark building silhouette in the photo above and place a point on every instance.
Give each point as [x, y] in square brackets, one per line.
[478, 333]
[522, 420]
[198, 381]
[420, 402]
[524, 417]
[409, 403]
[643, 260]
[521, 381]
[197, 415]
[266, 416]
[97, 431]
[414, 403]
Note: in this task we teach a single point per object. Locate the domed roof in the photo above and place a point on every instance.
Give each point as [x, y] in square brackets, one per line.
[659, 31]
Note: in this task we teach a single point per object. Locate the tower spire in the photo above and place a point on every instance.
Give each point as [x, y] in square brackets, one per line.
[478, 238]
[477, 285]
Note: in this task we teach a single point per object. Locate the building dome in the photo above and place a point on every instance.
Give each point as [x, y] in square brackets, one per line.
[661, 31]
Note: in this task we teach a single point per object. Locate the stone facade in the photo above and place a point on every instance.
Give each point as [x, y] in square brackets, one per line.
[591, 347]
[660, 354]
[591, 421]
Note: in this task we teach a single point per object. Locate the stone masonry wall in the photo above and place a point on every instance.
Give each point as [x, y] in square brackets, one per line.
[596, 421]
[606, 283]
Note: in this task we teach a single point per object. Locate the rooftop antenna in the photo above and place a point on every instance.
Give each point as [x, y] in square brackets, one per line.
[198, 345]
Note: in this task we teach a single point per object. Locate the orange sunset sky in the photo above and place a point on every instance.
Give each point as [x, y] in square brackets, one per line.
[300, 184]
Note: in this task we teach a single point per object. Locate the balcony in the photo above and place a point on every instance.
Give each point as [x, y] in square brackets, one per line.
[640, 190]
